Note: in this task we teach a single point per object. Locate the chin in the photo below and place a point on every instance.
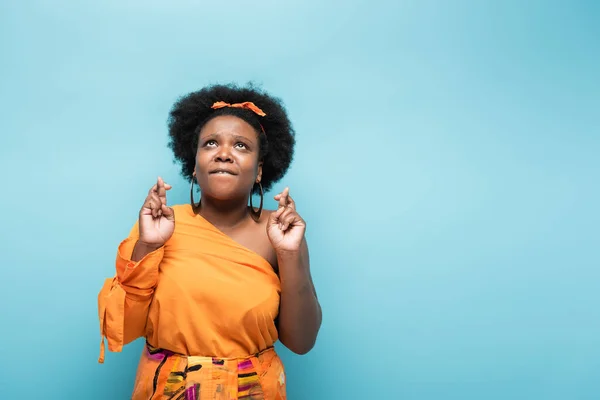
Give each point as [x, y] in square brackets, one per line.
[223, 192]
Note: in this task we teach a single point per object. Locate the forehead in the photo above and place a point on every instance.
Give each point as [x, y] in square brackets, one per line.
[228, 125]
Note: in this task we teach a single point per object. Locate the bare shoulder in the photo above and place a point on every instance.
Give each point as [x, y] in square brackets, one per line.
[264, 220]
[265, 215]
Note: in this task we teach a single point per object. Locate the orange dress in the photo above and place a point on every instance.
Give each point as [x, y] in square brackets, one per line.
[207, 308]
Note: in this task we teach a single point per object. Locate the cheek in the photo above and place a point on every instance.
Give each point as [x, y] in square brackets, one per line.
[202, 159]
[251, 165]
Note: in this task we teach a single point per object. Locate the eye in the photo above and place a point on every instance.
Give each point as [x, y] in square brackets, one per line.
[241, 145]
[210, 143]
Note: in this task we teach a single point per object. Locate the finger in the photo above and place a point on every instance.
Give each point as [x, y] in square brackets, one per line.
[284, 213]
[274, 217]
[157, 203]
[289, 220]
[148, 201]
[161, 191]
[285, 217]
[155, 187]
[283, 197]
[153, 203]
[168, 212]
[291, 203]
[148, 207]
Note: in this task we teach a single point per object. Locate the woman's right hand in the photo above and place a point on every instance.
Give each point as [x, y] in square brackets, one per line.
[157, 221]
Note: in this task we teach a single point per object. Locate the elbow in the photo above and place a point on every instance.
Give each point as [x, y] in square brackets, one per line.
[301, 338]
[301, 348]
[301, 342]
[302, 351]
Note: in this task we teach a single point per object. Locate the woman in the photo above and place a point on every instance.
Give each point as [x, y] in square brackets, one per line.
[213, 284]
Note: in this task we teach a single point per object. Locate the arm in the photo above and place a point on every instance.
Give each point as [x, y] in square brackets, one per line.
[124, 299]
[300, 311]
[141, 250]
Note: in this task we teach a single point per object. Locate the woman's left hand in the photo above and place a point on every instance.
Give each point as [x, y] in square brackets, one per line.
[285, 227]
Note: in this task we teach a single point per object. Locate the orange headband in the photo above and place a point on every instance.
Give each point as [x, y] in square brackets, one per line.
[248, 105]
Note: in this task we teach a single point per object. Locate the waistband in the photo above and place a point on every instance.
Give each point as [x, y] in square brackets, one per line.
[153, 351]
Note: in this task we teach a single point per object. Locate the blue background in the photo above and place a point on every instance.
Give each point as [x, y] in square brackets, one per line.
[447, 164]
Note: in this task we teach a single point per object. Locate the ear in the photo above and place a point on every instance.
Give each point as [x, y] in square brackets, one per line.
[259, 172]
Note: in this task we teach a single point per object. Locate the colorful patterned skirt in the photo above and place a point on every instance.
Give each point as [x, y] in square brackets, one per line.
[163, 374]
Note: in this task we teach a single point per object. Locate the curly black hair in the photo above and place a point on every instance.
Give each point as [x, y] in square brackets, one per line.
[192, 111]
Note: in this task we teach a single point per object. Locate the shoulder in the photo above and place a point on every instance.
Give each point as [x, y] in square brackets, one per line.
[266, 214]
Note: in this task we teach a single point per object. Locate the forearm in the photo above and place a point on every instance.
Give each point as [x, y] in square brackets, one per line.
[141, 249]
[300, 311]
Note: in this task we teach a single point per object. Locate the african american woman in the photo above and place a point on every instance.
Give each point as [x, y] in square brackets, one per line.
[213, 284]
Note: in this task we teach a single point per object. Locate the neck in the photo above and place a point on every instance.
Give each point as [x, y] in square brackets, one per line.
[225, 215]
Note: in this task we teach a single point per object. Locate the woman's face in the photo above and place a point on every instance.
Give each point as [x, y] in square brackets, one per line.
[227, 164]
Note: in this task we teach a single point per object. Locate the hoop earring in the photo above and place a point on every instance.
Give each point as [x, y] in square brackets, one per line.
[253, 213]
[195, 206]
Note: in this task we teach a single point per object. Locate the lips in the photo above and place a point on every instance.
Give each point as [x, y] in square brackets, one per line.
[222, 171]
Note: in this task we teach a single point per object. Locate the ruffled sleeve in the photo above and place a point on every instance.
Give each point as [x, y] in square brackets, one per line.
[124, 300]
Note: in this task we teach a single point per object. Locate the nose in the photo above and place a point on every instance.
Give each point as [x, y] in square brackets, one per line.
[223, 155]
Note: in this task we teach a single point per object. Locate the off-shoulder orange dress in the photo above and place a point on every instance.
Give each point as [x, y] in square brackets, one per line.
[207, 308]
